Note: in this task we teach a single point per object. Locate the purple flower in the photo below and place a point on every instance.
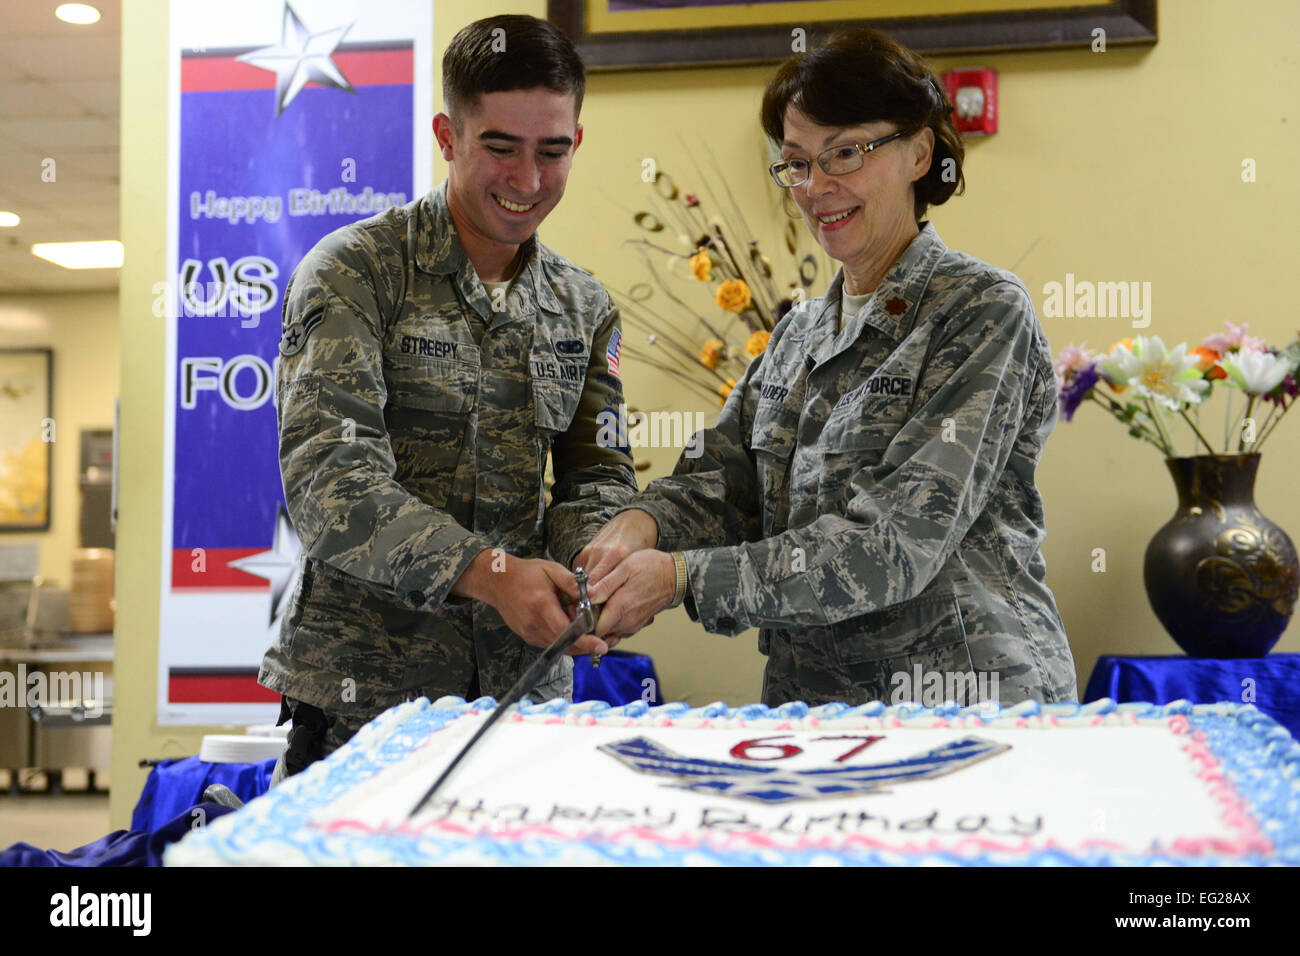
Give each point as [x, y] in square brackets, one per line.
[1287, 388]
[1076, 389]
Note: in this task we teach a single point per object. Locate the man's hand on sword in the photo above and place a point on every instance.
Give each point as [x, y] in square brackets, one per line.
[527, 593]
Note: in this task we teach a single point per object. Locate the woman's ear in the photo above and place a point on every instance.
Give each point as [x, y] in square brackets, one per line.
[922, 153]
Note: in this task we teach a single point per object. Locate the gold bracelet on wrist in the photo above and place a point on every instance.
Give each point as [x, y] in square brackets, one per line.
[679, 587]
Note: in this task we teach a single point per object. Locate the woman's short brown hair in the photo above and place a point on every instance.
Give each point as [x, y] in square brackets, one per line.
[861, 76]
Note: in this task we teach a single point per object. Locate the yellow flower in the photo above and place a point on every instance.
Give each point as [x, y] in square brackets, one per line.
[733, 295]
[725, 390]
[757, 343]
[701, 265]
[712, 353]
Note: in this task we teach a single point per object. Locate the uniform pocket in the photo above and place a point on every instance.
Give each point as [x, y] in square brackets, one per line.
[855, 430]
[555, 404]
[773, 443]
[432, 386]
[848, 447]
[427, 416]
[914, 651]
[344, 631]
[924, 623]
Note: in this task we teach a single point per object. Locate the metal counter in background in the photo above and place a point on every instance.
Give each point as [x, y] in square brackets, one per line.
[71, 725]
[67, 735]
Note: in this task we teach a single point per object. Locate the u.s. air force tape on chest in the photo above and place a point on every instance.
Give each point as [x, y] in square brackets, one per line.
[899, 385]
[295, 333]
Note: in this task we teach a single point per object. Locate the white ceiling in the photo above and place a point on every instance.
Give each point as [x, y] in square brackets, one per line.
[59, 96]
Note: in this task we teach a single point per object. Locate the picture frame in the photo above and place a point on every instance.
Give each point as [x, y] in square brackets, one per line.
[656, 34]
[26, 438]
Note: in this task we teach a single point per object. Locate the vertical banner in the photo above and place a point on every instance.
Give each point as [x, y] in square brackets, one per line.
[287, 121]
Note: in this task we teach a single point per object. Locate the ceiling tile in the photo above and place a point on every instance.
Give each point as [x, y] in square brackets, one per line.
[40, 100]
[51, 134]
[24, 18]
[59, 99]
[98, 96]
[64, 57]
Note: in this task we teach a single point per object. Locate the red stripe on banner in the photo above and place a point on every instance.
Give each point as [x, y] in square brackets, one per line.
[201, 74]
[217, 573]
[218, 687]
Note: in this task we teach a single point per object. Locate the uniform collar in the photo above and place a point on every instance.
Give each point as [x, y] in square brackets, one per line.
[891, 309]
[438, 252]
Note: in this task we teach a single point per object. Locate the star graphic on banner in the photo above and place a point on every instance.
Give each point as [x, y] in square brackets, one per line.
[279, 565]
[301, 57]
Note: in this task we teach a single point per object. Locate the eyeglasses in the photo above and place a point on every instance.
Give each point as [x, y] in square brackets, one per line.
[836, 161]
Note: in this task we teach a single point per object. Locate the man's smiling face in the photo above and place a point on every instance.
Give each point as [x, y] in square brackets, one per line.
[509, 162]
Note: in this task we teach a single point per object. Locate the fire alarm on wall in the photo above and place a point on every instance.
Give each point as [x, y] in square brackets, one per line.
[975, 94]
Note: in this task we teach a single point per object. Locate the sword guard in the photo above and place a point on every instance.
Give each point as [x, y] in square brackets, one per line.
[580, 575]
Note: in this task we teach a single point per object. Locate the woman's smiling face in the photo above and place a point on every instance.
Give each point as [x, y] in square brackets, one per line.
[859, 216]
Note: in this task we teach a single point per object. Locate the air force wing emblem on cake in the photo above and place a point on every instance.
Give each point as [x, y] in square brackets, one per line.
[772, 786]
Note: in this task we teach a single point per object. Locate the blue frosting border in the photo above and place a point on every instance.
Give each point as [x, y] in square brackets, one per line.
[1258, 756]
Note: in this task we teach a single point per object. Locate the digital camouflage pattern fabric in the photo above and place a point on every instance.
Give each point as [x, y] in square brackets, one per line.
[867, 498]
[415, 421]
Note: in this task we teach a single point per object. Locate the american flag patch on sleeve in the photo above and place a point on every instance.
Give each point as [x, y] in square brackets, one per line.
[614, 352]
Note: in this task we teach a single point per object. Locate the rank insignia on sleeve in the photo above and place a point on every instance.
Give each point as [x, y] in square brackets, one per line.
[295, 333]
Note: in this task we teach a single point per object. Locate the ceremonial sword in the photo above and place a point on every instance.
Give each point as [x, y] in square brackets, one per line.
[584, 623]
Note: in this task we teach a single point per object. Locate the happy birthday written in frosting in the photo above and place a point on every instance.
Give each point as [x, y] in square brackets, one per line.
[725, 820]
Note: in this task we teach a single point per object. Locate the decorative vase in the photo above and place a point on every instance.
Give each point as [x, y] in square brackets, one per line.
[1220, 576]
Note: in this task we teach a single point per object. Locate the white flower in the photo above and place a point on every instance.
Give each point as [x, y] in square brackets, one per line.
[1256, 373]
[1171, 378]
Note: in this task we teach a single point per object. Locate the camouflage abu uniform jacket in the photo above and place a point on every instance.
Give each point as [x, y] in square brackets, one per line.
[868, 498]
[414, 428]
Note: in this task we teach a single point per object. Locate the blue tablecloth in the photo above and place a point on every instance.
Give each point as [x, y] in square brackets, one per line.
[1271, 683]
[121, 847]
[623, 677]
[176, 785]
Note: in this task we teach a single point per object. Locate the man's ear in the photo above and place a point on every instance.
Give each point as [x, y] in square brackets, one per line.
[444, 134]
[577, 138]
[922, 152]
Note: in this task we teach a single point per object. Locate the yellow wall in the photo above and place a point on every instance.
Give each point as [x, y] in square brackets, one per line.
[140, 437]
[1116, 166]
[82, 330]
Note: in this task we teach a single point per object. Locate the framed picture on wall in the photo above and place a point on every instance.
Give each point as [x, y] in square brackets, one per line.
[26, 438]
[642, 34]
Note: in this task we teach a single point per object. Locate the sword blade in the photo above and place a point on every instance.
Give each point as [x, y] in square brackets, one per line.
[584, 623]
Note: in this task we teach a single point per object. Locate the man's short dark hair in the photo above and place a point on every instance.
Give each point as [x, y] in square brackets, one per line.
[509, 52]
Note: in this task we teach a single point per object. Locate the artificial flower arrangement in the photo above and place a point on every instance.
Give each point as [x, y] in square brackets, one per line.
[1145, 385]
[707, 343]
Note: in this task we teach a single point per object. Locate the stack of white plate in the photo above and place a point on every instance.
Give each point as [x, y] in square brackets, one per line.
[239, 748]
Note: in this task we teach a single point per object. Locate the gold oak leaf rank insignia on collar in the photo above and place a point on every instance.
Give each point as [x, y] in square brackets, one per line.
[896, 306]
[295, 336]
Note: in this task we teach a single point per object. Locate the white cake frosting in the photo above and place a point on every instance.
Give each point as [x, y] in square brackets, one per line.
[557, 783]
